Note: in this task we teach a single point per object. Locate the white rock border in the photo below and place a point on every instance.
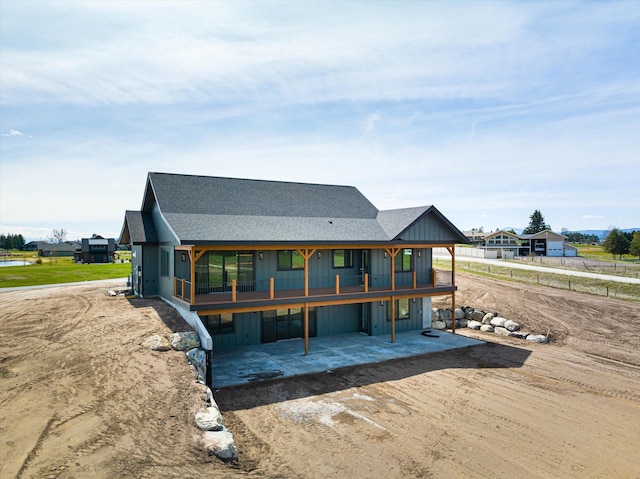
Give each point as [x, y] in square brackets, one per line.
[488, 322]
[216, 439]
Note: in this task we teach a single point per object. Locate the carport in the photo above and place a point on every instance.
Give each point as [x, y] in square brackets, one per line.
[282, 359]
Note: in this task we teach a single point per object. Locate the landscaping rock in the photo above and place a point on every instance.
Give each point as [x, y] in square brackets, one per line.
[462, 323]
[498, 322]
[198, 360]
[512, 325]
[438, 325]
[459, 313]
[156, 343]
[538, 338]
[435, 314]
[486, 319]
[519, 335]
[209, 419]
[445, 314]
[221, 444]
[477, 314]
[501, 331]
[473, 324]
[487, 328]
[184, 341]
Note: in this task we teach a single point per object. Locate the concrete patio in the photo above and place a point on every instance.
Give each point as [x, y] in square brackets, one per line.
[286, 358]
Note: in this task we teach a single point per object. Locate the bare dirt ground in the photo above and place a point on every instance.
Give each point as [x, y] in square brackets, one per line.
[80, 398]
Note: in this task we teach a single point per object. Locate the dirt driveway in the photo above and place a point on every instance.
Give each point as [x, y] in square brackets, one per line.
[80, 398]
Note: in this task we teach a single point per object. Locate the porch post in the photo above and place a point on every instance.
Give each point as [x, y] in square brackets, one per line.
[452, 250]
[192, 260]
[393, 252]
[306, 329]
[393, 320]
[306, 254]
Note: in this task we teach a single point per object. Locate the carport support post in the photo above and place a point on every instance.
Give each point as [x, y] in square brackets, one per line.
[306, 329]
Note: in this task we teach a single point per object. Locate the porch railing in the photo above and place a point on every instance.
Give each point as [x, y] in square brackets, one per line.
[336, 284]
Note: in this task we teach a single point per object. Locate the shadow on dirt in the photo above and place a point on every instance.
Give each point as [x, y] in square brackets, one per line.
[489, 355]
[169, 316]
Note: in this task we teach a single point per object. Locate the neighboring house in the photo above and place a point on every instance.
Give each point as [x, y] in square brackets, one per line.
[66, 248]
[96, 250]
[476, 237]
[504, 244]
[255, 261]
[35, 245]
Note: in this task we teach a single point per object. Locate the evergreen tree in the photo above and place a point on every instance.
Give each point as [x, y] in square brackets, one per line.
[634, 247]
[616, 243]
[536, 224]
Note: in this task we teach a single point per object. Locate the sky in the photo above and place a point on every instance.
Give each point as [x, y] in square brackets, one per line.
[486, 110]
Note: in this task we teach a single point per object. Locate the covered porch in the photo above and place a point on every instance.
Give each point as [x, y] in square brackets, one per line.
[287, 358]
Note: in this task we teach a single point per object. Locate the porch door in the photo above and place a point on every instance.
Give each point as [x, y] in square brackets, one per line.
[219, 272]
[364, 310]
[287, 323]
[226, 266]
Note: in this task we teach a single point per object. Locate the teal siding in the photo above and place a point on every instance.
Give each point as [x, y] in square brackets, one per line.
[167, 241]
[380, 325]
[430, 228]
[321, 272]
[246, 332]
[338, 319]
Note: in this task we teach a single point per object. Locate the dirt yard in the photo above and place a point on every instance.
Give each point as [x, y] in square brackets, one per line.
[80, 398]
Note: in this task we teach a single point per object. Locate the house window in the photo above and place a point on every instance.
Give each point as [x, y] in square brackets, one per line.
[219, 323]
[290, 259]
[402, 309]
[164, 262]
[342, 258]
[403, 261]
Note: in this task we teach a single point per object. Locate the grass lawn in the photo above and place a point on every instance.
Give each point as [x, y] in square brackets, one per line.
[60, 270]
[598, 252]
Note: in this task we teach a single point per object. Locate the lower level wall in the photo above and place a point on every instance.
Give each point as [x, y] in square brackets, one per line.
[369, 318]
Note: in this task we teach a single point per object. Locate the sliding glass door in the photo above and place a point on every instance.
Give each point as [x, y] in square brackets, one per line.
[215, 270]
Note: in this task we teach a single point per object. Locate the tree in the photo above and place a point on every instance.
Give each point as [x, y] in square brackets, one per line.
[58, 236]
[536, 224]
[11, 241]
[616, 243]
[634, 247]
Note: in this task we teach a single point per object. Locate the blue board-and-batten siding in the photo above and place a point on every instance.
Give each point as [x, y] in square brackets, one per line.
[331, 321]
[429, 227]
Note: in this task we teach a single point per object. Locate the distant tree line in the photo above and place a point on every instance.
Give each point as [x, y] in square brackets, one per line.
[11, 242]
[581, 238]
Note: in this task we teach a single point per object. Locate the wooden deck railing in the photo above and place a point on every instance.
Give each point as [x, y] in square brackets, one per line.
[235, 291]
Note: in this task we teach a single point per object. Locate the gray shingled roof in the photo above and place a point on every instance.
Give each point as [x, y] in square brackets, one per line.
[241, 197]
[201, 209]
[138, 228]
[395, 222]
